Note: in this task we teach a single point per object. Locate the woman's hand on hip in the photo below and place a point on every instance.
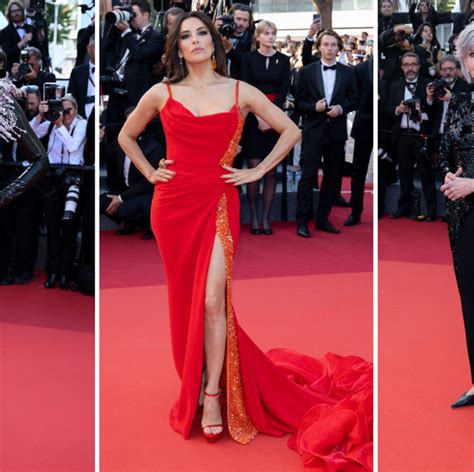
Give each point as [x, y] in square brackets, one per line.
[457, 188]
[162, 174]
[242, 176]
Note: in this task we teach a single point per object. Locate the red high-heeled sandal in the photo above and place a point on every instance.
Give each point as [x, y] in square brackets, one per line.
[212, 437]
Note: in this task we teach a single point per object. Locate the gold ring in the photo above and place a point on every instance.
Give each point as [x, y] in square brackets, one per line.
[162, 164]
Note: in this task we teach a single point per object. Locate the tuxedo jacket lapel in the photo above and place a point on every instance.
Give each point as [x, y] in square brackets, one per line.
[319, 79]
[337, 82]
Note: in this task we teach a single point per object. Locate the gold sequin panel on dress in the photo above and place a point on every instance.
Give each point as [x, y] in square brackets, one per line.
[241, 427]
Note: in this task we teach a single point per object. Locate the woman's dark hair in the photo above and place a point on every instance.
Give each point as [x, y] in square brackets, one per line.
[176, 70]
[467, 9]
[419, 39]
[329, 32]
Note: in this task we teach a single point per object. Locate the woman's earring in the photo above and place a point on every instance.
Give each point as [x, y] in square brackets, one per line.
[213, 62]
[181, 61]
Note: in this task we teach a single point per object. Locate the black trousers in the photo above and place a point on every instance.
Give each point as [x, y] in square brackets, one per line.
[465, 279]
[333, 168]
[61, 235]
[136, 210]
[360, 165]
[408, 149]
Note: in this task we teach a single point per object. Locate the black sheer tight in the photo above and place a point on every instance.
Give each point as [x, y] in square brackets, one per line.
[253, 192]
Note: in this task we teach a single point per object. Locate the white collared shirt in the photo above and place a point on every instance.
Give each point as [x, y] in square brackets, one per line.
[329, 79]
[64, 146]
[406, 123]
[90, 90]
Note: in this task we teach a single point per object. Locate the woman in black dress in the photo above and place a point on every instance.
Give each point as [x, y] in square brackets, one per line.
[457, 160]
[269, 71]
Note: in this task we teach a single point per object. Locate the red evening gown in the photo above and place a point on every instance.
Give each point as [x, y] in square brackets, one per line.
[326, 403]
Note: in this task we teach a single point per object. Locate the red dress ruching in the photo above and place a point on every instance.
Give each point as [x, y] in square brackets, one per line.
[327, 403]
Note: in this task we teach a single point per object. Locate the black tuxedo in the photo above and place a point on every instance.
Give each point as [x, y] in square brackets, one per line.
[323, 136]
[410, 147]
[138, 194]
[78, 84]
[243, 46]
[9, 39]
[362, 132]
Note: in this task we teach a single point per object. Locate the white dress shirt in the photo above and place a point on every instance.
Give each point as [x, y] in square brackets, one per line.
[329, 79]
[90, 89]
[406, 123]
[64, 146]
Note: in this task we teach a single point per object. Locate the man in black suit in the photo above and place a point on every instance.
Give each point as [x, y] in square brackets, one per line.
[131, 55]
[129, 195]
[16, 35]
[242, 40]
[82, 82]
[326, 92]
[409, 122]
[362, 132]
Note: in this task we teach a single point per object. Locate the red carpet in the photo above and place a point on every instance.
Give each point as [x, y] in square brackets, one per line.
[47, 379]
[423, 365]
[310, 295]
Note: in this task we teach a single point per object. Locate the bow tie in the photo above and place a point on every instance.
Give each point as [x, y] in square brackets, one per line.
[92, 70]
[333, 67]
[19, 27]
[411, 86]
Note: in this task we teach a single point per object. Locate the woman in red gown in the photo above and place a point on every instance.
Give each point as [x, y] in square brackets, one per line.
[195, 218]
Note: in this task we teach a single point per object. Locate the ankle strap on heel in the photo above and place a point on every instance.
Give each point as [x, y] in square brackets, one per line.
[218, 394]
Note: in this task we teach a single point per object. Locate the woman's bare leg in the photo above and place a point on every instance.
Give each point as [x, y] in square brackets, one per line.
[215, 324]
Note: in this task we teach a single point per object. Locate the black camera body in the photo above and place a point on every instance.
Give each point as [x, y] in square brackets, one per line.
[111, 84]
[228, 27]
[53, 94]
[414, 104]
[439, 86]
[24, 67]
[402, 36]
[120, 14]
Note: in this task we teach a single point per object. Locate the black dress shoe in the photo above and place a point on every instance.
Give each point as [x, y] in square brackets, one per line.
[148, 234]
[430, 219]
[340, 202]
[23, 278]
[325, 225]
[352, 220]
[398, 214]
[303, 231]
[64, 282]
[51, 281]
[128, 228]
[268, 231]
[463, 400]
[6, 279]
[255, 230]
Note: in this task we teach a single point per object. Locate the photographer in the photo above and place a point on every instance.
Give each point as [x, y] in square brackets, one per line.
[395, 42]
[409, 110]
[237, 31]
[439, 94]
[130, 57]
[66, 137]
[423, 12]
[29, 72]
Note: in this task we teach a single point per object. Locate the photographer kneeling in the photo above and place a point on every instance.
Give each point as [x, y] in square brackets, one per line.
[65, 132]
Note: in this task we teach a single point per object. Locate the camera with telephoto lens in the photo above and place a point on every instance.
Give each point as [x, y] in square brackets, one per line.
[24, 67]
[120, 14]
[439, 86]
[228, 27]
[72, 196]
[414, 104]
[53, 93]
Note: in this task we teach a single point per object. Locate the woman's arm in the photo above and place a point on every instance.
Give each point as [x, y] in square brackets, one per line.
[73, 143]
[148, 107]
[256, 102]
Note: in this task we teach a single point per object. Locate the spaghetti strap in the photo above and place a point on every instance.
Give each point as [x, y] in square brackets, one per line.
[168, 86]
[237, 83]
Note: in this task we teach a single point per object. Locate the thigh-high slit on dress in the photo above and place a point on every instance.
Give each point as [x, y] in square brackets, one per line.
[327, 402]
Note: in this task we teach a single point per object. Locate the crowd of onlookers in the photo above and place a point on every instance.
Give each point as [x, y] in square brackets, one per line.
[61, 205]
[418, 76]
[133, 60]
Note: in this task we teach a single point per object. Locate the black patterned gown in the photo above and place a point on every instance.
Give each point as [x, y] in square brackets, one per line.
[457, 150]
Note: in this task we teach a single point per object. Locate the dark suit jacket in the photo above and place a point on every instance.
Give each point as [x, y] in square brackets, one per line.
[362, 127]
[137, 183]
[78, 83]
[310, 89]
[397, 94]
[9, 39]
[437, 111]
[144, 53]
[243, 46]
